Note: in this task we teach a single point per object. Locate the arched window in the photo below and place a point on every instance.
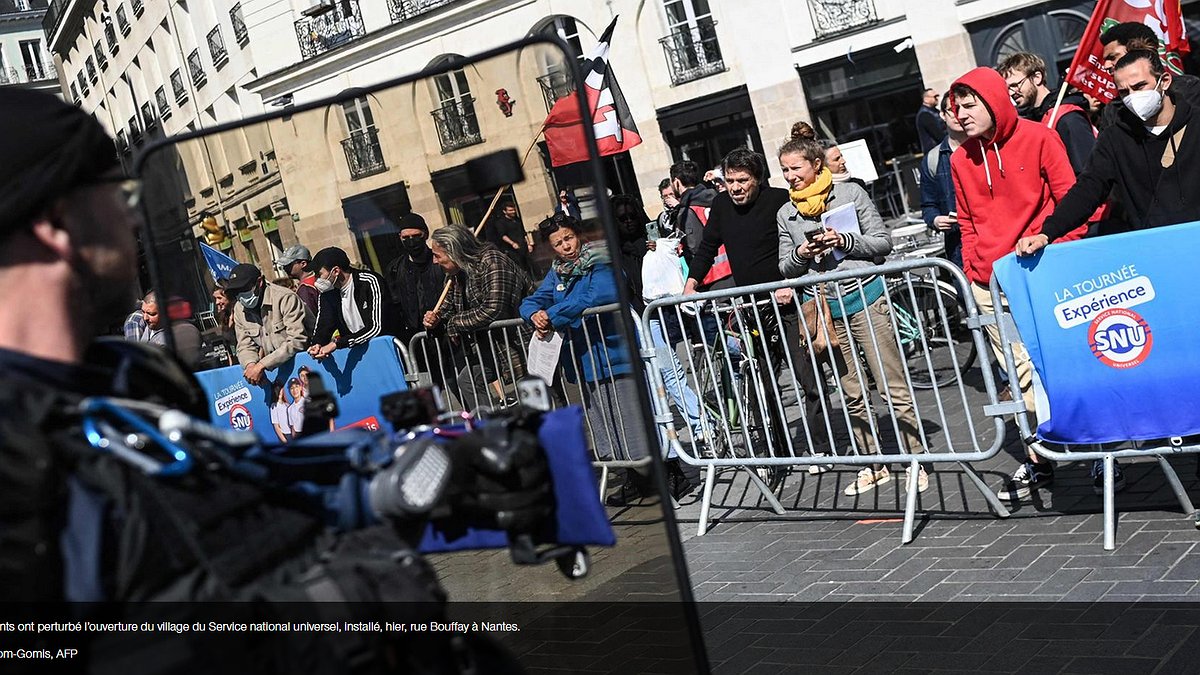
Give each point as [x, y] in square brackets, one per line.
[555, 79]
[457, 125]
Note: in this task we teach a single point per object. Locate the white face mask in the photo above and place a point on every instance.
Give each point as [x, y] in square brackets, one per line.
[323, 285]
[1144, 104]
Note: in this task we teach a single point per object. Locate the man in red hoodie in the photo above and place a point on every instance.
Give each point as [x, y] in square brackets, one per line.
[1008, 176]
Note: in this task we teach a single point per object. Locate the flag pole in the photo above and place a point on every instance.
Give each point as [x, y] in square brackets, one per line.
[1062, 91]
[488, 214]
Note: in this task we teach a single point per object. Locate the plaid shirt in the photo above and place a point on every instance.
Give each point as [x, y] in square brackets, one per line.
[491, 295]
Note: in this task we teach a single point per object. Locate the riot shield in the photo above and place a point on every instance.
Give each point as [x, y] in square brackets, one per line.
[372, 174]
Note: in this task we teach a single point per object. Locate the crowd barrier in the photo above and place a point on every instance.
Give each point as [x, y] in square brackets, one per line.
[750, 362]
[481, 370]
[1126, 396]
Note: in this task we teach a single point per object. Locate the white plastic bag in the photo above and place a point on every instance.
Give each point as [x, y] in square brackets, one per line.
[662, 271]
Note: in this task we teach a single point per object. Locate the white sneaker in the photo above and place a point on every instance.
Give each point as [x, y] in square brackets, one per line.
[867, 480]
[922, 479]
[817, 469]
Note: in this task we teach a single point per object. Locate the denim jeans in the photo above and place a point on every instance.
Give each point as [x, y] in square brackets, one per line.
[675, 380]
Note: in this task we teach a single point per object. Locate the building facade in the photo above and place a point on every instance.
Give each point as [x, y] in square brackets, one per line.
[24, 58]
[701, 78]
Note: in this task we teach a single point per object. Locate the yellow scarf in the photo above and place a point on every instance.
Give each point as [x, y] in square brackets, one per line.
[810, 201]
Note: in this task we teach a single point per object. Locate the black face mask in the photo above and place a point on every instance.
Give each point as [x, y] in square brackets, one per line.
[413, 246]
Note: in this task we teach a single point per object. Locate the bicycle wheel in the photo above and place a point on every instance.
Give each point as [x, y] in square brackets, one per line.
[930, 317]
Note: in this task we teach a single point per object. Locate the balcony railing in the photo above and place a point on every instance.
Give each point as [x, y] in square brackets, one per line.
[181, 92]
[407, 10]
[555, 85]
[457, 125]
[240, 34]
[32, 73]
[196, 69]
[330, 30]
[164, 106]
[693, 52]
[831, 17]
[216, 47]
[363, 154]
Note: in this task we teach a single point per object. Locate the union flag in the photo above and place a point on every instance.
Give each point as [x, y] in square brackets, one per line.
[1162, 16]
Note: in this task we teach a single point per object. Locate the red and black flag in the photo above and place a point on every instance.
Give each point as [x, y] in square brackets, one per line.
[611, 121]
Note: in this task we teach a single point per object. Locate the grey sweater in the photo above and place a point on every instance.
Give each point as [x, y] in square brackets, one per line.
[864, 249]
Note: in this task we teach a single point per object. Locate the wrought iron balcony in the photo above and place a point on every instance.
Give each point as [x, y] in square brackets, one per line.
[556, 85]
[327, 31]
[407, 10]
[216, 48]
[240, 34]
[831, 17]
[180, 91]
[39, 71]
[693, 52]
[364, 156]
[12, 76]
[196, 69]
[457, 125]
[164, 106]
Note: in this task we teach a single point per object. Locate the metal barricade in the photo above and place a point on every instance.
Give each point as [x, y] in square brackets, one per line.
[767, 404]
[1012, 355]
[480, 371]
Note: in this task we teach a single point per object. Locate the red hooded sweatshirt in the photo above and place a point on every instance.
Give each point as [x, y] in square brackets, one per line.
[1007, 185]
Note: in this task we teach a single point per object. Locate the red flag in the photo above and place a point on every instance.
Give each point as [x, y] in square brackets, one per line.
[1162, 16]
[611, 121]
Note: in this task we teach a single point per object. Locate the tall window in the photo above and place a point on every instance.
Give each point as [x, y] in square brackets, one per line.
[31, 54]
[690, 45]
[455, 117]
[555, 80]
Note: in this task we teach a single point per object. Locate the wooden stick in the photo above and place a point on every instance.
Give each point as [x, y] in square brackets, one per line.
[488, 214]
[1062, 91]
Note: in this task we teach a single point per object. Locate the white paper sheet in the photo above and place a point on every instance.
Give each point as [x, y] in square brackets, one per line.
[543, 356]
[843, 219]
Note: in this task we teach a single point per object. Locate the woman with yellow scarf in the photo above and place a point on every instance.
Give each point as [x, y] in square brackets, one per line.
[860, 312]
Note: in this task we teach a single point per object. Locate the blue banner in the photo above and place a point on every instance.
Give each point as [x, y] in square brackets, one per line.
[1110, 326]
[274, 409]
[219, 264]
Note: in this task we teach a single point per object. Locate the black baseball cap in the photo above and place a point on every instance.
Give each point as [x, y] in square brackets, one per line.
[242, 277]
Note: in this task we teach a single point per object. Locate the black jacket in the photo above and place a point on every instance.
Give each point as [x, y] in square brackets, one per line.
[1074, 127]
[1128, 158]
[930, 127]
[374, 303]
[414, 286]
[750, 236]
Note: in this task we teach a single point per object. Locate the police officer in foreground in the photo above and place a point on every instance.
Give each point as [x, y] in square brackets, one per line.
[80, 524]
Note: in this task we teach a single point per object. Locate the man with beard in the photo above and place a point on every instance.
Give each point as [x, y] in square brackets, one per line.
[1025, 74]
[414, 281]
